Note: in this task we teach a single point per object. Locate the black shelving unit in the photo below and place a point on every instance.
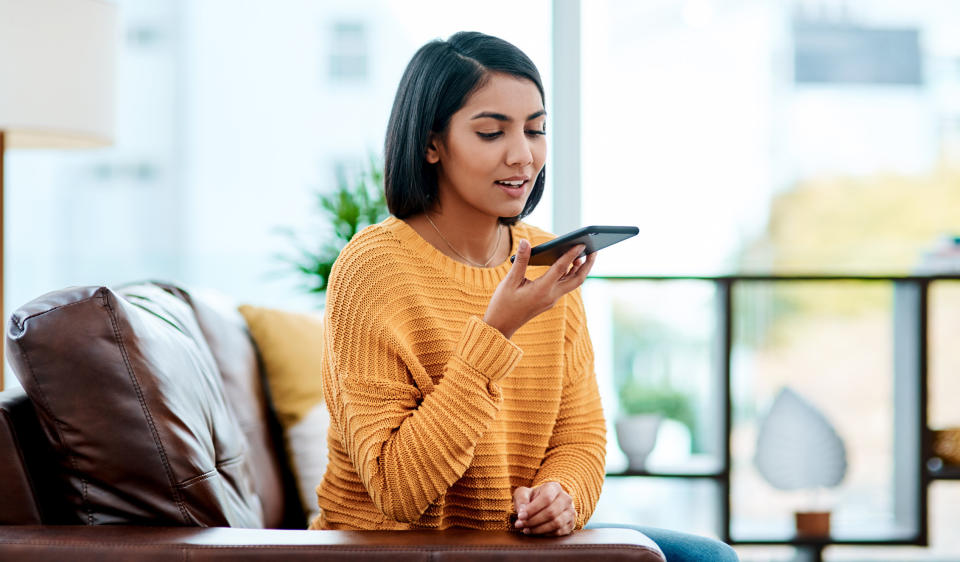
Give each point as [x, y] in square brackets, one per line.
[654, 474]
[945, 473]
[911, 431]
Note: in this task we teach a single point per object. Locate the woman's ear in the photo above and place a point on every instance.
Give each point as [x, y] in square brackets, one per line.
[433, 148]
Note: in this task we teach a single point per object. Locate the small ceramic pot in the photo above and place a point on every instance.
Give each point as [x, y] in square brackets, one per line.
[812, 524]
[636, 436]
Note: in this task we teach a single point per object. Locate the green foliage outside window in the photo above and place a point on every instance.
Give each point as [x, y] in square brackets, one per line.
[637, 397]
[644, 370]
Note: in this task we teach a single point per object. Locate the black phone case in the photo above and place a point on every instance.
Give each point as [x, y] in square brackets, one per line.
[592, 237]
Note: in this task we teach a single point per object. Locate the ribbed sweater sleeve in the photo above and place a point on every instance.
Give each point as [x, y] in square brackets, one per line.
[408, 442]
[575, 455]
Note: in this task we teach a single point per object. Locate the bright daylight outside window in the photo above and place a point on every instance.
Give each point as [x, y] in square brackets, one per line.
[799, 137]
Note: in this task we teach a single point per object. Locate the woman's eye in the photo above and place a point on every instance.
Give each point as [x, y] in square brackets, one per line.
[535, 132]
[489, 135]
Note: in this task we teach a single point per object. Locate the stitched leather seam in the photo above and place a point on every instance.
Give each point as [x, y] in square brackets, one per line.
[211, 473]
[49, 310]
[146, 411]
[45, 403]
[199, 478]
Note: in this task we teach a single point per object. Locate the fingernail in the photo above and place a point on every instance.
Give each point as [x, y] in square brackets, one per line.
[522, 515]
[518, 524]
[526, 531]
[524, 245]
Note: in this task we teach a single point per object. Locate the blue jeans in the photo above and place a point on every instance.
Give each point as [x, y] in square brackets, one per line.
[681, 547]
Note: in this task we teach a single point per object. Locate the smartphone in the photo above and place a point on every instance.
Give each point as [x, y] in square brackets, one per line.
[592, 237]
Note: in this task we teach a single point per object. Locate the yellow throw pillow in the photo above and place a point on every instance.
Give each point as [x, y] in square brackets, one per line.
[290, 346]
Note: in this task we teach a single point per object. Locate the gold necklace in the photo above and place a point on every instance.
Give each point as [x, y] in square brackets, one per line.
[496, 246]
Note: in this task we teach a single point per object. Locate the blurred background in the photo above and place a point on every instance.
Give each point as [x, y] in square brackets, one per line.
[769, 137]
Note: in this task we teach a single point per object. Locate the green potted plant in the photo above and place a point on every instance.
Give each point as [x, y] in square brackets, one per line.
[643, 405]
[355, 204]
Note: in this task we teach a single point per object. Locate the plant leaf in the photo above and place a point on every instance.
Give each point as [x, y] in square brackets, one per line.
[352, 205]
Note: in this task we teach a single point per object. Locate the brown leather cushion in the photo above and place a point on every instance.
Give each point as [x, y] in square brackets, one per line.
[227, 335]
[128, 393]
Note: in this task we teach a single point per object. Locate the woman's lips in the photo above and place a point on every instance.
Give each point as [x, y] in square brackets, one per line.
[513, 190]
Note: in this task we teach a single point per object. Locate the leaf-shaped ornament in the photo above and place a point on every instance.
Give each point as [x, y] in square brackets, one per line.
[797, 448]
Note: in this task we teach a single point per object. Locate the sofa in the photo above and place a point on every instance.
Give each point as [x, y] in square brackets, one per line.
[144, 430]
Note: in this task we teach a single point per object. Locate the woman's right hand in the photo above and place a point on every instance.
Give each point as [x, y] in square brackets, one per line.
[517, 299]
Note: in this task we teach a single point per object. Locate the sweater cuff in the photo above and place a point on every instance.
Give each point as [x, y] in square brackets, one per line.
[485, 348]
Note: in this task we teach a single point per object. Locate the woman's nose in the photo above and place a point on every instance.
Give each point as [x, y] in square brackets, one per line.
[519, 152]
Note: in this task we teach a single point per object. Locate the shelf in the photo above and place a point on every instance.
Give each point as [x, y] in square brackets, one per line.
[870, 539]
[876, 533]
[828, 541]
[694, 466]
[658, 474]
[945, 473]
[910, 318]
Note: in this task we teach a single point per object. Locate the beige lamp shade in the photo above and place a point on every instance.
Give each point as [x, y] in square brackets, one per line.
[57, 65]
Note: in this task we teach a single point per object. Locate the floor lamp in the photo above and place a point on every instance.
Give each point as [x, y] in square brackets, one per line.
[57, 60]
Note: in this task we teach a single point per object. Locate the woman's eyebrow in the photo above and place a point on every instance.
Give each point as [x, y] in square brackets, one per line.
[502, 117]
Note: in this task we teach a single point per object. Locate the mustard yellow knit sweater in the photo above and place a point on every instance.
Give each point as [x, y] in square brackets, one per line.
[435, 416]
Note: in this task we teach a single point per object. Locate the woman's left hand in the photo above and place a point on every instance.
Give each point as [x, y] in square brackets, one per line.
[544, 510]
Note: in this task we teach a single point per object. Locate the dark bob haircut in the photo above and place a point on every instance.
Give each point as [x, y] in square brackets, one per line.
[435, 85]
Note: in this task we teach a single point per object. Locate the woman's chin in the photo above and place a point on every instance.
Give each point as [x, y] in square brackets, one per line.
[513, 209]
[511, 213]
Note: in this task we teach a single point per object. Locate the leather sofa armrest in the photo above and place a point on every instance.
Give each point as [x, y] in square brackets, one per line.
[18, 498]
[79, 543]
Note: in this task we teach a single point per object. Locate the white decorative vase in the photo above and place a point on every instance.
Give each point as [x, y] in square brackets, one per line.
[637, 436]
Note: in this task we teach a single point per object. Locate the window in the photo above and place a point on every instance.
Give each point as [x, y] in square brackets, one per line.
[775, 138]
[224, 136]
[839, 54]
[349, 52]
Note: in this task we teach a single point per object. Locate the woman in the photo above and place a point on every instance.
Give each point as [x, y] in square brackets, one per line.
[460, 387]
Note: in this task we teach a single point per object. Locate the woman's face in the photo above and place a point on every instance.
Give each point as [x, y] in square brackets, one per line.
[493, 149]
